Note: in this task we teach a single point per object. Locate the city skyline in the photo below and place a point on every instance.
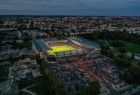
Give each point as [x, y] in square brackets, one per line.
[70, 7]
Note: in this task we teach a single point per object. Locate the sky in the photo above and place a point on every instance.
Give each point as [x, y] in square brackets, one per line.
[70, 7]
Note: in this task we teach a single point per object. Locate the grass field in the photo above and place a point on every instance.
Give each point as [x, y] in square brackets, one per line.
[61, 48]
[132, 47]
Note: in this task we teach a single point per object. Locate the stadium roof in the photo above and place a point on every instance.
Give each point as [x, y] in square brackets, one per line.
[40, 44]
[85, 42]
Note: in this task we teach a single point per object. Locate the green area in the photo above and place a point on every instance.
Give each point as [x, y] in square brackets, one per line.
[27, 44]
[3, 73]
[129, 46]
[121, 62]
[50, 84]
[33, 89]
[132, 47]
[130, 70]
[131, 74]
[93, 88]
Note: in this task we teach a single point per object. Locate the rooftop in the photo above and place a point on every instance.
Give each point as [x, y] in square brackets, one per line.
[40, 44]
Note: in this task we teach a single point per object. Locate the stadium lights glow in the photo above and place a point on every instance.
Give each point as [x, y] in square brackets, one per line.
[61, 48]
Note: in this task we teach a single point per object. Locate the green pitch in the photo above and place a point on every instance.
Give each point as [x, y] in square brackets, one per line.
[61, 48]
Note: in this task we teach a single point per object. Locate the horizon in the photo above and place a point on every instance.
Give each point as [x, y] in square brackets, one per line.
[71, 7]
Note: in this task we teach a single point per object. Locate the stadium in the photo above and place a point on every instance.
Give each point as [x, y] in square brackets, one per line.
[67, 47]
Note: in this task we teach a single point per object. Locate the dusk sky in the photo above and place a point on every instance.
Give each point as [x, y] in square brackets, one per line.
[70, 7]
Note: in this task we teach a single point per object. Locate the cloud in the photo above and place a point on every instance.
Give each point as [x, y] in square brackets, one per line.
[71, 6]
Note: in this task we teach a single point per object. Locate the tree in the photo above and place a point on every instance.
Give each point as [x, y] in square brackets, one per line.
[121, 62]
[133, 56]
[83, 90]
[105, 50]
[122, 50]
[51, 83]
[118, 43]
[132, 74]
[93, 88]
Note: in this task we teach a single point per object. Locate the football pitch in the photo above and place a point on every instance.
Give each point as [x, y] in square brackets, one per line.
[61, 48]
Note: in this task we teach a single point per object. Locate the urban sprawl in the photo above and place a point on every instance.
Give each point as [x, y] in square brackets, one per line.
[69, 55]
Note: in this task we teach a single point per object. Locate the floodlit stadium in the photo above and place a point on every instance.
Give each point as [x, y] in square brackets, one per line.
[67, 47]
[63, 48]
